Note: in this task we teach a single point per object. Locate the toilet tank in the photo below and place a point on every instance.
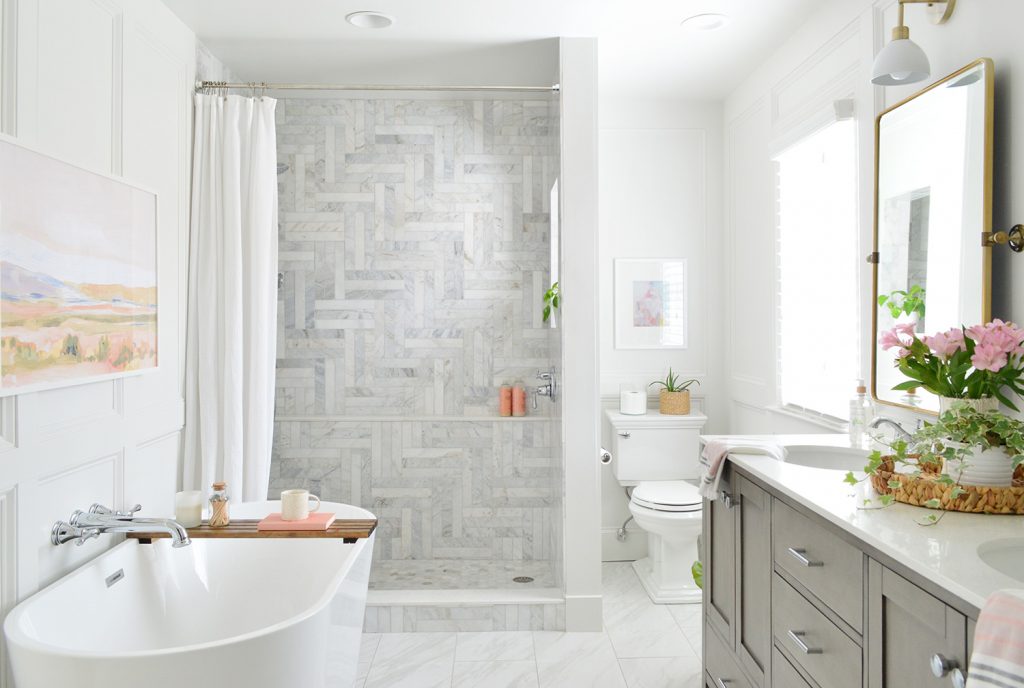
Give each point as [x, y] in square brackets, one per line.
[655, 446]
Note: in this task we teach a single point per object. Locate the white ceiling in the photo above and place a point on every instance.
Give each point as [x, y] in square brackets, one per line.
[643, 51]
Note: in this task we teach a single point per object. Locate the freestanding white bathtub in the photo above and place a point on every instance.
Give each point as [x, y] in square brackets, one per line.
[247, 613]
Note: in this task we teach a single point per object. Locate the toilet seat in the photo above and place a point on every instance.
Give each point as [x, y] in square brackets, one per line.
[677, 496]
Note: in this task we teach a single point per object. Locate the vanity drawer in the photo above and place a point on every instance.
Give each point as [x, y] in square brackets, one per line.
[828, 655]
[831, 568]
[783, 673]
[720, 664]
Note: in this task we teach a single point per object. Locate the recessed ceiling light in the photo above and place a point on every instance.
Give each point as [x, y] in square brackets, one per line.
[370, 20]
[708, 21]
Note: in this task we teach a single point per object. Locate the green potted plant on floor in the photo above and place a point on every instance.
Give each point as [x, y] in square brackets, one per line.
[674, 398]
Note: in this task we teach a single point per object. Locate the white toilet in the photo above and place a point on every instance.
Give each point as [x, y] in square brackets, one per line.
[658, 455]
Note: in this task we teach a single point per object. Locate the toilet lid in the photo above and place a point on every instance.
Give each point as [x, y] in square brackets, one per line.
[667, 495]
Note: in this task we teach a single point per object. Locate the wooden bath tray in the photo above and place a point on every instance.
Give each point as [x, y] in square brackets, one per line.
[348, 530]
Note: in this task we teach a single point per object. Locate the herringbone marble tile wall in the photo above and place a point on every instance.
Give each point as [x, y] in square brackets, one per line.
[414, 252]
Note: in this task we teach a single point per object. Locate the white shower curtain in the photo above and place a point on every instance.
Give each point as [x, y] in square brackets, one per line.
[232, 301]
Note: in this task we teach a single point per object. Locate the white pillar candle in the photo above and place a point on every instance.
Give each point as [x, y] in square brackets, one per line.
[188, 508]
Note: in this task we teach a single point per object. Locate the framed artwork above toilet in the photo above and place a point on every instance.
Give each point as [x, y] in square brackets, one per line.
[650, 303]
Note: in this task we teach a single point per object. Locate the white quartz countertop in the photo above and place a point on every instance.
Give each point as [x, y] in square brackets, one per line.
[945, 553]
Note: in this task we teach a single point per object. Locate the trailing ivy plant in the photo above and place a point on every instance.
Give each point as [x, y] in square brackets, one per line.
[672, 383]
[901, 302]
[551, 298]
[953, 437]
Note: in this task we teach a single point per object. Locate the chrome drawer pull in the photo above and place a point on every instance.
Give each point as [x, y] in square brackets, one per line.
[625, 435]
[721, 682]
[799, 553]
[798, 639]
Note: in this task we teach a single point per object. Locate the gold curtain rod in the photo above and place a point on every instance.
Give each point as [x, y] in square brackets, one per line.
[264, 86]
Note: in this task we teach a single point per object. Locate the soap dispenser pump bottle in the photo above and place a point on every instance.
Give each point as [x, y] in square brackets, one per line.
[860, 412]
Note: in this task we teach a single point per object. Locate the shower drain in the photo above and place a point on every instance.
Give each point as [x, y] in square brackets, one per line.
[522, 579]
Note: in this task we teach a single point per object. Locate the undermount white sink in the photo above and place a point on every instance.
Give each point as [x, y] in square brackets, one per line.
[1005, 555]
[823, 456]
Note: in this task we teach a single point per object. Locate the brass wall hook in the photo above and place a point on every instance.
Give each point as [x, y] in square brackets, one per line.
[1013, 238]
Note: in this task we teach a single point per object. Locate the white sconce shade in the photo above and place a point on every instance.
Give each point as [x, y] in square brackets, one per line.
[900, 62]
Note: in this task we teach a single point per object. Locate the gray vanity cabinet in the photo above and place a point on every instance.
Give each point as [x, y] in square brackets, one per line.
[738, 570]
[907, 628]
[791, 601]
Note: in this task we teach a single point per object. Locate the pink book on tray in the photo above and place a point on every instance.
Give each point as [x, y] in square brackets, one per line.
[319, 520]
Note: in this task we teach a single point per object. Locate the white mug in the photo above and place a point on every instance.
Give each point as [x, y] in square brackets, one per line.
[295, 505]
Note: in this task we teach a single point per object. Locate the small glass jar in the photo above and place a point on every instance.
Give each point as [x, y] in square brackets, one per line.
[219, 506]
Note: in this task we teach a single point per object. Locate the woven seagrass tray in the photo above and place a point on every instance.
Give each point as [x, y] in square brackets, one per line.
[917, 490]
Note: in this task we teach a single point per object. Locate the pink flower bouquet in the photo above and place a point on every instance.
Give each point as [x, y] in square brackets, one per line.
[961, 363]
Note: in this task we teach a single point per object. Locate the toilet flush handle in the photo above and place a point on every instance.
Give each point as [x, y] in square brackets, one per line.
[625, 435]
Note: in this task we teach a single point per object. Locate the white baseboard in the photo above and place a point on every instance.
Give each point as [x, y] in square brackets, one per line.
[583, 613]
[635, 546]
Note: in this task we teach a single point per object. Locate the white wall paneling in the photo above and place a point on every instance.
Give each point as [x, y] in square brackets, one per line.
[750, 250]
[789, 96]
[660, 197]
[106, 85]
[580, 401]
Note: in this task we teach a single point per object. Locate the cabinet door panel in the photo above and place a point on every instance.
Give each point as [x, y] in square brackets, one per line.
[720, 544]
[720, 664]
[906, 628]
[753, 620]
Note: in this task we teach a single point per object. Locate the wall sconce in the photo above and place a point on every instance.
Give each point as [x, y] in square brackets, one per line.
[903, 61]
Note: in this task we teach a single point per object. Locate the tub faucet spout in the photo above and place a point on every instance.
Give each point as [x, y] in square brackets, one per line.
[84, 525]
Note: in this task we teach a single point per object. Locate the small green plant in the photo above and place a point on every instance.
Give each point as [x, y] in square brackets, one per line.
[672, 383]
[901, 302]
[551, 299]
[697, 571]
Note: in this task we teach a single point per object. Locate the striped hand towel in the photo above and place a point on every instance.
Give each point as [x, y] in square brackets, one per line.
[716, 451]
[998, 657]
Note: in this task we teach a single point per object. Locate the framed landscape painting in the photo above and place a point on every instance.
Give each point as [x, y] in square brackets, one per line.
[650, 303]
[78, 274]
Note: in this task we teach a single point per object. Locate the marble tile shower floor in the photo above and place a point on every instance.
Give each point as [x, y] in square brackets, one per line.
[458, 574]
[643, 645]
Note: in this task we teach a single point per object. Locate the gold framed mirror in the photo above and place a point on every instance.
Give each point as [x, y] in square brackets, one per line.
[933, 201]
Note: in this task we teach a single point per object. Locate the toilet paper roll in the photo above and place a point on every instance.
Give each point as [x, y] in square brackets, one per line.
[632, 403]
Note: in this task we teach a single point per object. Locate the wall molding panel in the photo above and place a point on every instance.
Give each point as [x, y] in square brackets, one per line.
[748, 286]
[67, 89]
[826, 75]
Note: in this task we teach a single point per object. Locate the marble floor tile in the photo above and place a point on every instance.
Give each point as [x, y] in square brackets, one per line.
[688, 616]
[636, 626]
[362, 672]
[661, 672]
[696, 639]
[576, 659]
[494, 646]
[517, 674]
[410, 648]
[431, 674]
[646, 632]
[413, 660]
[369, 647]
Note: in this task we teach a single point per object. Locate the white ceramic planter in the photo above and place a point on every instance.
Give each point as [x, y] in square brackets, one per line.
[985, 467]
[986, 404]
